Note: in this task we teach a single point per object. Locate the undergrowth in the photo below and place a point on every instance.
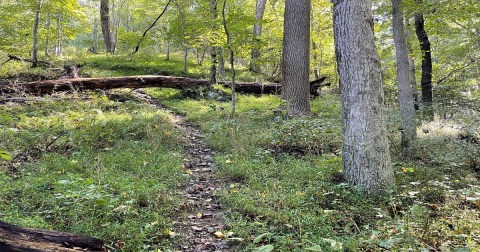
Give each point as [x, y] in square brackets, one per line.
[286, 192]
[92, 166]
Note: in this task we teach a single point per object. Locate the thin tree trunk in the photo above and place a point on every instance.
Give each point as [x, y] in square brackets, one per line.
[35, 34]
[232, 58]
[405, 96]
[366, 154]
[105, 20]
[257, 31]
[426, 81]
[185, 48]
[213, 49]
[59, 46]
[296, 57]
[95, 35]
[47, 37]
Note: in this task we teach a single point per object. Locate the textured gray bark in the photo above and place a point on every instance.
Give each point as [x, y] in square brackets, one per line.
[106, 31]
[411, 67]
[296, 57]
[405, 96]
[35, 34]
[366, 154]
[257, 31]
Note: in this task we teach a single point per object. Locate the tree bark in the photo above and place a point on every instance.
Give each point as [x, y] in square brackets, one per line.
[366, 154]
[95, 35]
[214, 49]
[404, 88]
[426, 81]
[143, 81]
[411, 68]
[257, 31]
[59, 46]
[13, 238]
[106, 31]
[296, 57]
[35, 34]
[232, 58]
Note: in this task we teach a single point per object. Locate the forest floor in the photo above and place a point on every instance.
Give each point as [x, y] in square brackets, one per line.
[203, 229]
[121, 166]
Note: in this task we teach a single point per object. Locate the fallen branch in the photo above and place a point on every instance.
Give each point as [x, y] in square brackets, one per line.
[14, 238]
[18, 58]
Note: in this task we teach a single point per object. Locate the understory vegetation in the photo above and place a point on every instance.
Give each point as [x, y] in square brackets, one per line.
[108, 165]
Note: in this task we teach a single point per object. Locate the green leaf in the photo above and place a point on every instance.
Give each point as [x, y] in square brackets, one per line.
[388, 244]
[266, 248]
[314, 248]
[261, 237]
[5, 155]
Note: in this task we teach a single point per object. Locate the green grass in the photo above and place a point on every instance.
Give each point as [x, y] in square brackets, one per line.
[294, 200]
[115, 168]
[112, 172]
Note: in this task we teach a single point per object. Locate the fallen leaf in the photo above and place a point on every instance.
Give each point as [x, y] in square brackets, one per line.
[197, 229]
[199, 215]
[219, 234]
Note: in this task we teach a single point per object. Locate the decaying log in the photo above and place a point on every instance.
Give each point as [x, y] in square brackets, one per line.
[80, 84]
[143, 81]
[14, 238]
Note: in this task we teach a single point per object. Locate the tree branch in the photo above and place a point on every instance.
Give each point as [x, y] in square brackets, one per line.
[455, 71]
[151, 26]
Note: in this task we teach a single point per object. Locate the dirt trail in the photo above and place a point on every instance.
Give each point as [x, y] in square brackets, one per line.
[197, 229]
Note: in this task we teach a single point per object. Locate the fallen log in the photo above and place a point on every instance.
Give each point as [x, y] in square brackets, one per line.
[80, 84]
[14, 238]
[142, 81]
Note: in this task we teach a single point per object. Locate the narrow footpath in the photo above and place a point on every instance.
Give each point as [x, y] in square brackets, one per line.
[202, 229]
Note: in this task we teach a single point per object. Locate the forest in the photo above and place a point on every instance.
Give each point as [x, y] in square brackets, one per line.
[239, 125]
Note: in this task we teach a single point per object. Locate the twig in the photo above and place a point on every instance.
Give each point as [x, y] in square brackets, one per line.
[151, 26]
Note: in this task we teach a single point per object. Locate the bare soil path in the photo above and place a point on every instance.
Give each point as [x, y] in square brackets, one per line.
[202, 228]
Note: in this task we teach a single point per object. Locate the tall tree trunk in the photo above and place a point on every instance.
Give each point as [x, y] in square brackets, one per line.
[405, 96]
[35, 34]
[366, 154]
[59, 46]
[426, 81]
[213, 49]
[232, 57]
[167, 58]
[296, 57]
[105, 20]
[411, 68]
[257, 31]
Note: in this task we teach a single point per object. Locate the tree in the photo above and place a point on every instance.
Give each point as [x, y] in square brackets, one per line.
[257, 31]
[106, 31]
[426, 81]
[35, 34]
[404, 88]
[214, 49]
[366, 154]
[296, 57]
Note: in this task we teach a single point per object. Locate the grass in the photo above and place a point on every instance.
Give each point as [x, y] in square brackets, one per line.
[97, 167]
[115, 168]
[292, 198]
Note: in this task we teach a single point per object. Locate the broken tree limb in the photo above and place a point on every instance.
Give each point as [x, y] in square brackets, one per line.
[14, 238]
[142, 81]
[18, 58]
